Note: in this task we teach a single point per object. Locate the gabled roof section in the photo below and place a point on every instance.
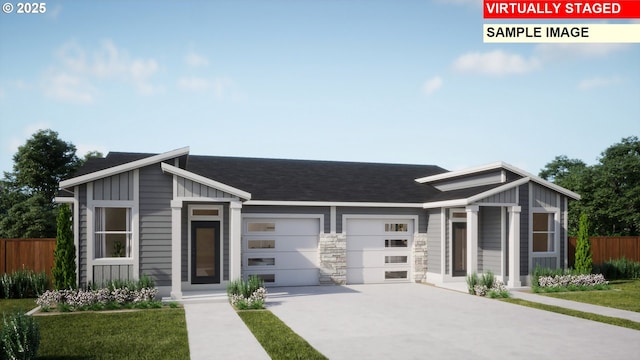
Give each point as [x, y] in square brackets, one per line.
[493, 166]
[205, 181]
[463, 197]
[112, 165]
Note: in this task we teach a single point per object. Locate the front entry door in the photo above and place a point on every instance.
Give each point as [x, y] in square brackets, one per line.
[205, 252]
[459, 248]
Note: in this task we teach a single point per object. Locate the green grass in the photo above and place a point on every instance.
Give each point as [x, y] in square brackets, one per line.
[624, 294]
[580, 314]
[278, 340]
[22, 305]
[145, 334]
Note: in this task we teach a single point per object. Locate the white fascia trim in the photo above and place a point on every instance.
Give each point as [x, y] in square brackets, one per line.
[205, 181]
[498, 165]
[124, 167]
[332, 203]
[64, 200]
[446, 203]
[498, 190]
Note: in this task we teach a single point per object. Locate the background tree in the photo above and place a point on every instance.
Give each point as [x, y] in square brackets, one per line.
[27, 208]
[64, 261]
[583, 247]
[610, 189]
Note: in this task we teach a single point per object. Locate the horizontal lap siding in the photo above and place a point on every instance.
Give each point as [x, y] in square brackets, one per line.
[155, 224]
[434, 231]
[421, 213]
[490, 240]
[307, 210]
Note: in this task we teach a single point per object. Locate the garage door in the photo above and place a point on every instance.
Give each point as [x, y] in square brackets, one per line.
[281, 251]
[379, 250]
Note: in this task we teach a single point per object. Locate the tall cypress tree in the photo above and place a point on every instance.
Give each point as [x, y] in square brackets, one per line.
[64, 263]
[583, 246]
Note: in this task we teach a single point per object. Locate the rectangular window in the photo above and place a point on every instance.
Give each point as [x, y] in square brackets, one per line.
[205, 212]
[395, 259]
[396, 227]
[261, 261]
[402, 243]
[543, 232]
[267, 278]
[261, 244]
[113, 232]
[261, 227]
[391, 275]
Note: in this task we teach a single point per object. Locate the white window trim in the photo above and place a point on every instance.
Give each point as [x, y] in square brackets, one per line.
[246, 216]
[220, 218]
[556, 231]
[134, 260]
[449, 240]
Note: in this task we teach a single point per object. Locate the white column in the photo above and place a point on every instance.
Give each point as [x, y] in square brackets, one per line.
[472, 238]
[176, 249]
[235, 240]
[514, 247]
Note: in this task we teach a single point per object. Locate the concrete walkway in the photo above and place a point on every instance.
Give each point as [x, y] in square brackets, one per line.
[217, 332]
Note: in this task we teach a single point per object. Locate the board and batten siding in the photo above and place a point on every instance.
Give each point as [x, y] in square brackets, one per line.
[544, 197]
[434, 246]
[188, 188]
[490, 240]
[548, 262]
[116, 187]
[325, 211]
[156, 192]
[505, 197]
[105, 273]
[83, 236]
[419, 212]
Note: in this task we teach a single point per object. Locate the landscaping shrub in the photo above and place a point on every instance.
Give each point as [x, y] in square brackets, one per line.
[555, 280]
[249, 294]
[619, 269]
[64, 255]
[583, 262]
[487, 285]
[20, 337]
[23, 283]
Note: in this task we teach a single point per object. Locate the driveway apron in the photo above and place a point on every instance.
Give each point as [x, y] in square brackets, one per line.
[415, 321]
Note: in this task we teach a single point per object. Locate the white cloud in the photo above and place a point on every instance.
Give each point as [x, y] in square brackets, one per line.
[432, 85]
[195, 60]
[73, 77]
[495, 62]
[193, 84]
[597, 82]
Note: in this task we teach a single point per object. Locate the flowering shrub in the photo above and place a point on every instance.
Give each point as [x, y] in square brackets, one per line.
[247, 295]
[487, 285]
[572, 280]
[95, 299]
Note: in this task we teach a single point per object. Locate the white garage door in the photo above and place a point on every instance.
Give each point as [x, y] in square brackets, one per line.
[281, 251]
[379, 250]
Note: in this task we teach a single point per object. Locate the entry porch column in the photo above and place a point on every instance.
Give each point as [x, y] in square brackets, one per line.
[176, 233]
[235, 240]
[514, 247]
[472, 238]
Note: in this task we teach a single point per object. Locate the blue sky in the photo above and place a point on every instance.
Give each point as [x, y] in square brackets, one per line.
[379, 81]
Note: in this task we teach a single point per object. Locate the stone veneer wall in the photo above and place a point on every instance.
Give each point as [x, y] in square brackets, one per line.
[333, 259]
[419, 257]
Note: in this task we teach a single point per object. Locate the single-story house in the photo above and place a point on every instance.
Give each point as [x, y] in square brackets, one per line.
[196, 222]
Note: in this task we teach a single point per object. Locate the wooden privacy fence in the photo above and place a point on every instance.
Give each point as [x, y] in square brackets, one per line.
[604, 248]
[34, 254]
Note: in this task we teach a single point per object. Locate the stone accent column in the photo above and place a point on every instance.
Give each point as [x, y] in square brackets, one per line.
[333, 259]
[419, 252]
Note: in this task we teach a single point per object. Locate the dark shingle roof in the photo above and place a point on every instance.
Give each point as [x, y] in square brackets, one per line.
[112, 159]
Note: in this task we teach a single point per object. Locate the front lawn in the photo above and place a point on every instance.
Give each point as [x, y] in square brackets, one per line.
[22, 305]
[624, 294]
[144, 334]
[278, 340]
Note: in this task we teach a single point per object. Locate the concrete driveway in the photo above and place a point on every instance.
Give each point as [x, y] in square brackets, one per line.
[415, 321]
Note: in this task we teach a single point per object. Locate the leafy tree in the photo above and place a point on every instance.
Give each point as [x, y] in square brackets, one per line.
[64, 263]
[583, 247]
[26, 194]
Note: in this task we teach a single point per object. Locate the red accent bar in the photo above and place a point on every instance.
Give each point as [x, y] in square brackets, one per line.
[561, 9]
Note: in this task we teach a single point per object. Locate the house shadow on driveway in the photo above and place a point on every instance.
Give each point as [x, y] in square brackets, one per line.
[285, 292]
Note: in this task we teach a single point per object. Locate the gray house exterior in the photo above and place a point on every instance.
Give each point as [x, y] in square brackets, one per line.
[195, 222]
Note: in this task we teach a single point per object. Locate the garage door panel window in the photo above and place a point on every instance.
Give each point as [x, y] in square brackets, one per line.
[261, 261]
[396, 243]
[261, 244]
[393, 275]
[267, 278]
[396, 227]
[261, 227]
[394, 259]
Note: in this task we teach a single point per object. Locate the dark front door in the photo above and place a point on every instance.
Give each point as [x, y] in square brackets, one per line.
[205, 252]
[459, 248]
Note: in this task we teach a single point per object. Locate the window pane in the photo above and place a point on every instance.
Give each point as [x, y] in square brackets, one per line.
[112, 237]
[261, 244]
[459, 215]
[267, 278]
[395, 275]
[395, 243]
[541, 221]
[261, 261]
[262, 227]
[115, 219]
[395, 259]
[396, 227]
[116, 245]
[206, 212]
[543, 242]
